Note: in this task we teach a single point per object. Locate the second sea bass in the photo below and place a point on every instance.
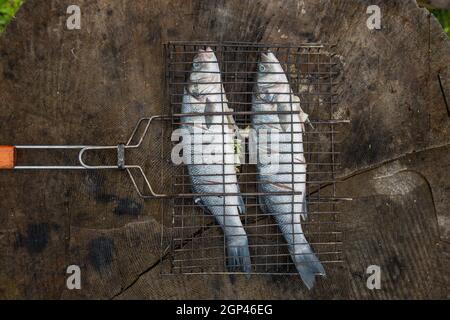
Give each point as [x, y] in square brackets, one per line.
[214, 175]
[273, 94]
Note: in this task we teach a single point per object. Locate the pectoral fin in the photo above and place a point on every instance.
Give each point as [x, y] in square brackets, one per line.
[242, 209]
[305, 212]
[209, 116]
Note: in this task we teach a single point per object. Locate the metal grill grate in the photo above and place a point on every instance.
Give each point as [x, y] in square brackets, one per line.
[197, 244]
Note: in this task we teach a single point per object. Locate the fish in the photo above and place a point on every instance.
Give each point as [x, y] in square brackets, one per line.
[285, 118]
[213, 172]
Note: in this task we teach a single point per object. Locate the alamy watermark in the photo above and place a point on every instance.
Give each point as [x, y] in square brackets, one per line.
[374, 280]
[374, 20]
[200, 144]
[73, 22]
[73, 281]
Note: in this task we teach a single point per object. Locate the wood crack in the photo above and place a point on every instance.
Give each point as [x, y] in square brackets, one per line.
[443, 94]
[163, 258]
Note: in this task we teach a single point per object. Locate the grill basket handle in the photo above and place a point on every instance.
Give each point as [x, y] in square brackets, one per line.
[7, 157]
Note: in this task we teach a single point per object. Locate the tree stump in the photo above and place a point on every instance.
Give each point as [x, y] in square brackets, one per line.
[91, 85]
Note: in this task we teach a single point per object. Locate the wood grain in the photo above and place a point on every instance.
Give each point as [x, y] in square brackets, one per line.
[90, 86]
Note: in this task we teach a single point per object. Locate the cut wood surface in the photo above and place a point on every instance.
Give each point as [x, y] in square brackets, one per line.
[90, 86]
[435, 4]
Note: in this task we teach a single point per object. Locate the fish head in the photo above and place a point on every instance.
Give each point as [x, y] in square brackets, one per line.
[269, 67]
[271, 78]
[205, 73]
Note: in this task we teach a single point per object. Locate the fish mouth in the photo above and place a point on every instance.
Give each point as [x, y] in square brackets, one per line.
[205, 55]
[208, 49]
[265, 57]
[268, 56]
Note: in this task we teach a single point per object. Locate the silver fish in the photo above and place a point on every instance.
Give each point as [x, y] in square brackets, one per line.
[213, 175]
[273, 93]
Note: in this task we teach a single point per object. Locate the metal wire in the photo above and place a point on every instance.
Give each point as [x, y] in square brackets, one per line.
[197, 244]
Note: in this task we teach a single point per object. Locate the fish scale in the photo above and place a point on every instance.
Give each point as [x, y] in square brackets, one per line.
[213, 178]
[272, 93]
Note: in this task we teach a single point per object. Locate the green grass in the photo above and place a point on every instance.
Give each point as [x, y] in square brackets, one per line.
[7, 10]
[444, 18]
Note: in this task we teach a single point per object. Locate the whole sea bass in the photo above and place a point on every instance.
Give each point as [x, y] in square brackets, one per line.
[273, 93]
[215, 171]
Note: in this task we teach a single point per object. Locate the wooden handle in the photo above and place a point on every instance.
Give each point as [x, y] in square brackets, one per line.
[7, 157]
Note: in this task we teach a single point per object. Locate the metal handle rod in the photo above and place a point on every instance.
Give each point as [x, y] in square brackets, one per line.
[8, 158]
[141, 171]
[100, 167]
[49, 147]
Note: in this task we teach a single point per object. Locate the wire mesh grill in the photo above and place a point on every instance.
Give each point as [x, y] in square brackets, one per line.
[197, 243]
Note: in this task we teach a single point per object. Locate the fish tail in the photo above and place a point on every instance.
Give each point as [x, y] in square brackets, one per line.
[238, 258]
[308, 266]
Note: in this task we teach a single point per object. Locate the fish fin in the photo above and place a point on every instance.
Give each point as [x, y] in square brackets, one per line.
[294, 107]
[263, 205]
[284, 119]
[242, 208]
[304, 117]
[199, 202]
[305, 210]
[308, 266]
[230, 119]
[284, 125]
[296, 103]
[238, 258]
[209, 109]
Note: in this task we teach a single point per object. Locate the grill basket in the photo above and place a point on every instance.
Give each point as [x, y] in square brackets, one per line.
[195, 243]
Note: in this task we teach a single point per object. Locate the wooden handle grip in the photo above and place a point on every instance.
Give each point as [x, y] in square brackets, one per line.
[7, 157]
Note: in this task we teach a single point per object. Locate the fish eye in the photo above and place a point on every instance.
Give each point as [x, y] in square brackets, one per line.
[196, 65]
[262, 68]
